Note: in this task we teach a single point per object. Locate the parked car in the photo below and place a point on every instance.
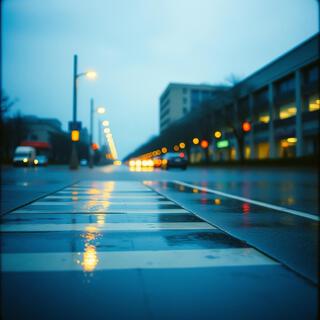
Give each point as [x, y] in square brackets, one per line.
[24, 156]
[41, 160]
[174, 160]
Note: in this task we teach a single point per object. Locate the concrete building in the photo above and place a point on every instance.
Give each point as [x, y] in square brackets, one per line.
[178, 99]
[40, 129]
[282, 103]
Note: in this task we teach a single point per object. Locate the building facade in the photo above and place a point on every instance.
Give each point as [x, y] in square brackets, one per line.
[179, 99]
[40, 129]
[281, 102]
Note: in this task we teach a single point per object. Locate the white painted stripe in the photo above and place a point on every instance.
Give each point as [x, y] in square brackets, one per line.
[97, 202]
[107, 211]
[169, 259]
[258, 203]
[95, 227]
[156, 211]
[102, 197]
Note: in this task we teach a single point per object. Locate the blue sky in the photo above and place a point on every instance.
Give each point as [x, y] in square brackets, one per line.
[138, 47]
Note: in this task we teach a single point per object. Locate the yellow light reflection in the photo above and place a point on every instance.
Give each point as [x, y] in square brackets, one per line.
[217, 201]
[195, 141]
[90, 258]
[101, 219]
[93, 191]
[90, 228]
[195, 190]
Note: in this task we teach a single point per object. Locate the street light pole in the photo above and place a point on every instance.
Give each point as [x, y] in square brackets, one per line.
[74, 161]
[91, 133]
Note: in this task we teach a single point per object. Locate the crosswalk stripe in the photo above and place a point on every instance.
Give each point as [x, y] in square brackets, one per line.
[95, 260]
[114, 203]
[72, 210]
[96, 227]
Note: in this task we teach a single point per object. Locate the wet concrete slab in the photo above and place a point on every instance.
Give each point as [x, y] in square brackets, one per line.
[288, 238]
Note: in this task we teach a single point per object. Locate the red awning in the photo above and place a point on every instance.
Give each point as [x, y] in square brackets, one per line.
[36, 144]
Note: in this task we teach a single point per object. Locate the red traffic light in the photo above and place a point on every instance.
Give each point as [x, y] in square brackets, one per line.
[246, 126]
[95, 146]
[204, 144]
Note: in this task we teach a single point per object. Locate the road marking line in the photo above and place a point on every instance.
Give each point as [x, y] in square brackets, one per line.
[102, 197]
[258, 203]
[97, 211]
[79, 261]
[101, 202]
[96, 227]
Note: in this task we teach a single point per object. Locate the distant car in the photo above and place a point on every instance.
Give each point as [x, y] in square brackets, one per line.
[157, 162]
[174, 160]
[24, 156]
[41, 160]
[83, 162]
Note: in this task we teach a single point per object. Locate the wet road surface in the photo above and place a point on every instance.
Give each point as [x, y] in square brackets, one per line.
[122, 250]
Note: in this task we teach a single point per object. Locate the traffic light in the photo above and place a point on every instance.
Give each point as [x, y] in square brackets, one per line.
[246, 126]
[204, 144]
[75, 135]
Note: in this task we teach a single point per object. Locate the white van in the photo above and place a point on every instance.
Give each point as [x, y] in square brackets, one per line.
[24, 156]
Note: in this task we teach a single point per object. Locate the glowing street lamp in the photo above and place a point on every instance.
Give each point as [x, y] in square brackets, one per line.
[217, 134]
[101, 110]
[105, 123]
[92, 75]
[195, 141]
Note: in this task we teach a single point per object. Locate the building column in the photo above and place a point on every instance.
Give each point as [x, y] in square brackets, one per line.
[272, 142]
[298, 102]
[251, 133]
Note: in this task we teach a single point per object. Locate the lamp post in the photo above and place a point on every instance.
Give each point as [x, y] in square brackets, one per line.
[74, 161]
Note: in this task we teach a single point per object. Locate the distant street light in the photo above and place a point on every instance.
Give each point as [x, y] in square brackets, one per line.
[217, 134]
[100, 110]
[74, 161]
[105, 123]
[195, 141]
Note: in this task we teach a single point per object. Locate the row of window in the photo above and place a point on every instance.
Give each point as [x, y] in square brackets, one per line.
[164, 105]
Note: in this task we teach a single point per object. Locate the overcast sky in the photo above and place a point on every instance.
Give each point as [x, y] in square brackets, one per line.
[138, 47]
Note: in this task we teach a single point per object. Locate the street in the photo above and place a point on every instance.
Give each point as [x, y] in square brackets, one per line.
[205, 243]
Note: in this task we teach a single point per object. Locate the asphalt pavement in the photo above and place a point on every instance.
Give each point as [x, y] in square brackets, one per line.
[203, 243]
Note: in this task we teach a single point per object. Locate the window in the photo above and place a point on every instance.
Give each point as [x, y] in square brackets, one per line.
[314, 103]
[287, 111]
[184, 90]
[285, 86]
[264, 118]
[311, 74]
[185, 110]
[184, 100]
